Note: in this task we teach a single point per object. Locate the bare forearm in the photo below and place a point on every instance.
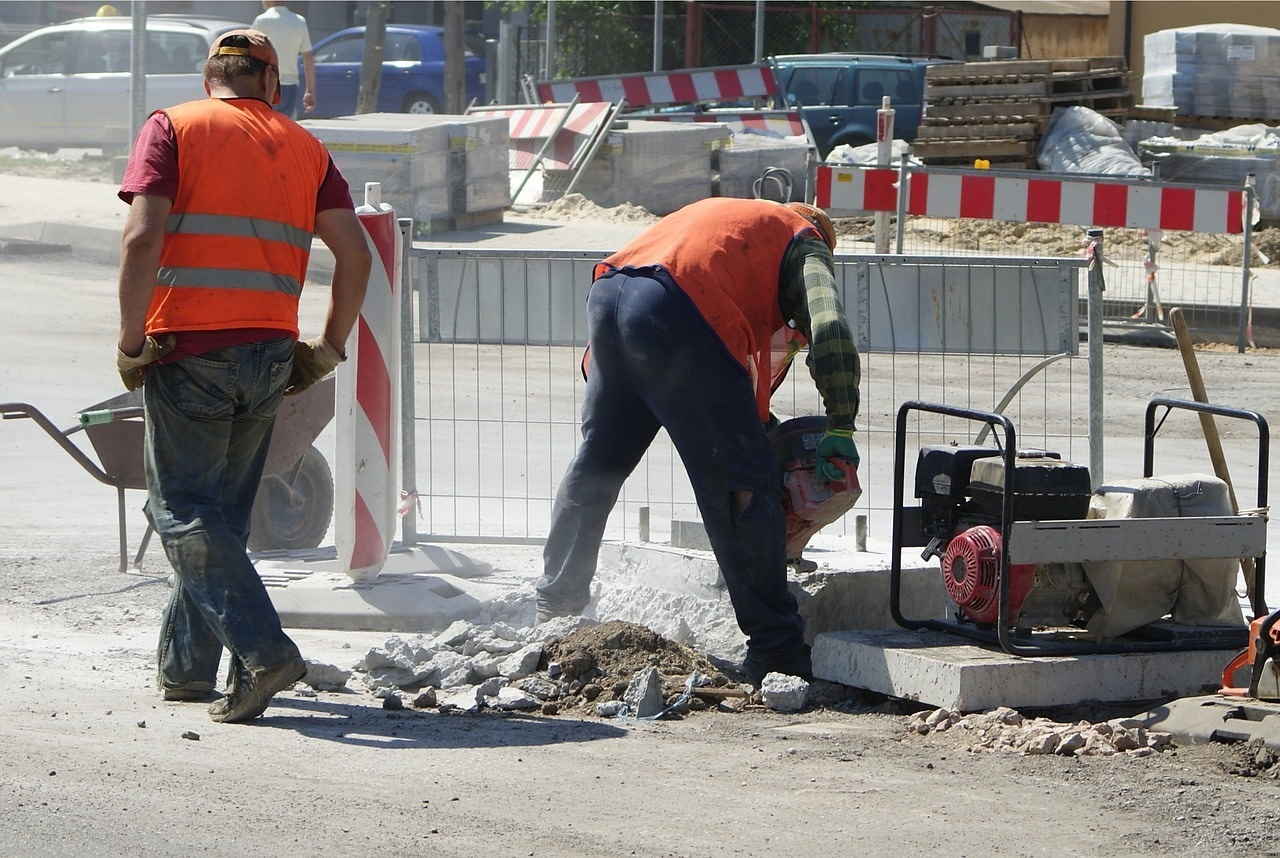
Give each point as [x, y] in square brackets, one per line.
[350, 278]
[137, 283]
[309, 71]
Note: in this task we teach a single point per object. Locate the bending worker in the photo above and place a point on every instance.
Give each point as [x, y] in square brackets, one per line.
[680, 325]
[224, 197]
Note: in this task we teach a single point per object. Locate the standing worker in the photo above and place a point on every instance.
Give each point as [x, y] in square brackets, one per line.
[224, 197]
[680, 325]
[289, 35]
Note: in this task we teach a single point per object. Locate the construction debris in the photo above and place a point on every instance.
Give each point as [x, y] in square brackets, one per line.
[1006, 730]
[644, 697]
[326, 677]
[783, 693]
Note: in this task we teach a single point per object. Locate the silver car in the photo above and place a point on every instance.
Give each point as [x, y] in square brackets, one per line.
[68, 85]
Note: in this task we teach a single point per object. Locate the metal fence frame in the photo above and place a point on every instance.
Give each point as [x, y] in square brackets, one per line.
[855, 274]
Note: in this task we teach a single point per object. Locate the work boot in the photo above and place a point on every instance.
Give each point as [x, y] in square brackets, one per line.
[249, 690]
[792, 662]
[188, 692]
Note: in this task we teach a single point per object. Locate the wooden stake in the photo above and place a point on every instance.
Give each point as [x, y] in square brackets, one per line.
[1209, 427]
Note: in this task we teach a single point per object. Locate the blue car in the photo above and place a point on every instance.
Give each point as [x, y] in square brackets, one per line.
[412, 71]
[839, 94]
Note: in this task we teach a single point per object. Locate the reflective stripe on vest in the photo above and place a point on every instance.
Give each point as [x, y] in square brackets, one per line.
[190, 223]
[228, 278]
[726, 255]
[239, 233]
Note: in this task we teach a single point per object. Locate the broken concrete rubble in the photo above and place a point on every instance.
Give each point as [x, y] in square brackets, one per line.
[514, 699]
[465, 699]
[325, 677]
[783, 693]
[1006, 729]
[522, 662]
[644, 697]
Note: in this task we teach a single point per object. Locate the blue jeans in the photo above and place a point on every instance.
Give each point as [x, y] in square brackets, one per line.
[208, 426]
[656, 362]
[288, 101]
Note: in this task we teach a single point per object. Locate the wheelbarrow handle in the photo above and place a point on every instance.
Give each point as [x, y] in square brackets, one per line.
[108, 415]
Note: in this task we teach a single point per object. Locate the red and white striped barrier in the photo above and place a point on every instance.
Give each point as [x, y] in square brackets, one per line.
[682, 86]
[1078, 202]
[573, 125]
[774, 123]
[366, 478]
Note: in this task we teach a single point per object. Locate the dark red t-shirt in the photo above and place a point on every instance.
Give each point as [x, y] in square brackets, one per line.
[153, 171]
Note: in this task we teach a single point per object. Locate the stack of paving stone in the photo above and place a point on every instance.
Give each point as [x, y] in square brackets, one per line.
[739, 166]
[997, 111]
[446, 172]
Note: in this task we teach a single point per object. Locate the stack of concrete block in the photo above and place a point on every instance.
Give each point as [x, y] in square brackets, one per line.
[661, 166]
[443, 171]
[1214, 70]
[750, 156]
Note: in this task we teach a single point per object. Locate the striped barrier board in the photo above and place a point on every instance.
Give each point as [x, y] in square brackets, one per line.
[774, 123]
[1022, 199]
[682, 86]
[367, 409]
[530, 125]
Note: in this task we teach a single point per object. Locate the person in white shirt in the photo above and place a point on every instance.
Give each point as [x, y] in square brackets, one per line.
[288, 32]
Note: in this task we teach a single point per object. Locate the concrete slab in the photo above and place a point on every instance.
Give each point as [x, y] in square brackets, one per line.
[942, 670]
[420, 589]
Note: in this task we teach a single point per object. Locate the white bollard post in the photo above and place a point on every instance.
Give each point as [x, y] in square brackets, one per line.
[366, 478]
[884, 159]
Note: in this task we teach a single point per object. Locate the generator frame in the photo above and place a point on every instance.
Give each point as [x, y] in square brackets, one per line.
[1089, 540]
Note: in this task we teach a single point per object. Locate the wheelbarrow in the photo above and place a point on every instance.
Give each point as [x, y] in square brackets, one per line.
[294, 504]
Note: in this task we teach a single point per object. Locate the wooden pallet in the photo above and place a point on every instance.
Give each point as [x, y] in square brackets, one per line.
[1001, 111]
[1058, 86]
[984, 131]
[1220, 123]
[1148, 113]
[974, 148]
[964, 71]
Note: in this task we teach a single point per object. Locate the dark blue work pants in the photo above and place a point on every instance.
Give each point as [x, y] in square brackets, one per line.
[656, 362]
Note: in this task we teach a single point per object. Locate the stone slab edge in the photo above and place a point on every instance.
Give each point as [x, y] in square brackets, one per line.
[942, 670]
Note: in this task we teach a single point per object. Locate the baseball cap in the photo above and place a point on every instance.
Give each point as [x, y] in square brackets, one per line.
[259, 48]
[819, 219]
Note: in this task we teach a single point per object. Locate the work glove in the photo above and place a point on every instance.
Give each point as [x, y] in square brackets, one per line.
[133, 369]
[836, 444]
[312, 361]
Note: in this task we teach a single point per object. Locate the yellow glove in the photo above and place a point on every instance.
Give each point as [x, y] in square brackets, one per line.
[133, 369]
[312, 361]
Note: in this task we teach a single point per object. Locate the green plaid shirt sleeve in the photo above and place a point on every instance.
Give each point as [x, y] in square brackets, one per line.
[807, 294]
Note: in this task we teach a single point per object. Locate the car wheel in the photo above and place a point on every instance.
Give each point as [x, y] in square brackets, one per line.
[293, 509]
[420, 102]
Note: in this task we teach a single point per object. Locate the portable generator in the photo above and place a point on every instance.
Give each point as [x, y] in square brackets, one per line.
[961, 492]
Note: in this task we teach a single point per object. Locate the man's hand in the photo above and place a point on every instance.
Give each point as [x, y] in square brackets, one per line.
[308, 101]
[312, 361]
[836, 444]
[133, 368]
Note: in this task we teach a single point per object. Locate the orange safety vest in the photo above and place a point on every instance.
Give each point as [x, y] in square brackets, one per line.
[239, 233]
[726, 255]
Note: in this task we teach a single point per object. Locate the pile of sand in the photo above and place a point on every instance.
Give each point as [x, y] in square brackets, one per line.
[574, 207]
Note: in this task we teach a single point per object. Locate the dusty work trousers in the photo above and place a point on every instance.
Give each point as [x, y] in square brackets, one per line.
[654, 362]
[209, 420]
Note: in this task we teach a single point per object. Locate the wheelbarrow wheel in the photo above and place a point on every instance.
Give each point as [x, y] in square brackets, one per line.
[293, 509]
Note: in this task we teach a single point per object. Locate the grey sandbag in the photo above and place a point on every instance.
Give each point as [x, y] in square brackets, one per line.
[1136, 593]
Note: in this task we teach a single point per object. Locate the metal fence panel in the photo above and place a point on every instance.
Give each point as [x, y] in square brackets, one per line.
[498, 383]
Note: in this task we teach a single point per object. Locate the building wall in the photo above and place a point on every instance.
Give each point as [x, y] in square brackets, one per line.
[1058, 36]
[1149, 16]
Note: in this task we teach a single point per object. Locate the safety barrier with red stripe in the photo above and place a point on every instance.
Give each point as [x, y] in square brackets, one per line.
[366, 477]
[1027, 199]
[573, 124]
[775, 123]
[682, 86]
